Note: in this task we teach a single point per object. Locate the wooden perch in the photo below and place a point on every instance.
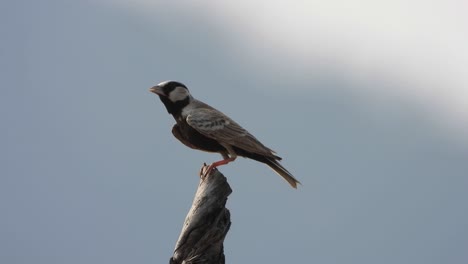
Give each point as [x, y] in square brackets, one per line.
[206, 224]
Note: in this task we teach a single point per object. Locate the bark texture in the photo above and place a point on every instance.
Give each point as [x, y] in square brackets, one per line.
[207, 223]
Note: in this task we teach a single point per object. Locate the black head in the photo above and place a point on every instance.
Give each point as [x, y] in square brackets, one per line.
[174, 95]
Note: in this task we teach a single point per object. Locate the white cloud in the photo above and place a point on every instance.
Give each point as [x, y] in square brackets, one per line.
[420, 44]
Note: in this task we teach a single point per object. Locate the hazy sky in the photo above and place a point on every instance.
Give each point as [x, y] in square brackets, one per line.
[366, 101]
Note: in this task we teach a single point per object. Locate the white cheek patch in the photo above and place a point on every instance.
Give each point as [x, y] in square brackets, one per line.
[178, 94]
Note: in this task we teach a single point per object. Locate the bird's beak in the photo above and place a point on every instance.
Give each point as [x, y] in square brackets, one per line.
[157, 90]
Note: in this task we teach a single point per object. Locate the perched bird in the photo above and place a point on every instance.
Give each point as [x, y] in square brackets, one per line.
[200, 126]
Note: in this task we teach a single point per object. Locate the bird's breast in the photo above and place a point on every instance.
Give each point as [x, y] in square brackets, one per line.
[193, 139]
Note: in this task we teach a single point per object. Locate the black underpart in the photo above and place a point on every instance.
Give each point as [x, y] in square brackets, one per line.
[193, 139]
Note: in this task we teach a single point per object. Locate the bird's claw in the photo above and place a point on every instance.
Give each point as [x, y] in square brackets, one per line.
[206, 170]
[202, 170]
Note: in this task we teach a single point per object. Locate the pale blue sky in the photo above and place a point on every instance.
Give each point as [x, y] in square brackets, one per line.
[90, 172]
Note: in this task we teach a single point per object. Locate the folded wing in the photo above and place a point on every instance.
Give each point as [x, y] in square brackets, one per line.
[214, 124]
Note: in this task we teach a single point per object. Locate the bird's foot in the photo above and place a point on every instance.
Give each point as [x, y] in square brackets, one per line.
[202, 170]
[212, 168]
[206, 170]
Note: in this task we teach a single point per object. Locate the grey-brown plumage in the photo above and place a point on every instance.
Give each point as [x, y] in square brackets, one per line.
[200, 126]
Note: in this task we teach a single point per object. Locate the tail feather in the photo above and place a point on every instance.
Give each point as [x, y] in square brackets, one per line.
[282, 171]
[271, 161]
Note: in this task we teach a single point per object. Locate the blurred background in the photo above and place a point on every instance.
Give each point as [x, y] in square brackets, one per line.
[366, 101]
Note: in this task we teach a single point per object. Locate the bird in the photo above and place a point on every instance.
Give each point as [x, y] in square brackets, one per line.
[202, 127]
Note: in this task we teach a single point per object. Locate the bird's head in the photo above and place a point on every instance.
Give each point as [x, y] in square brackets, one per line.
[174, 95]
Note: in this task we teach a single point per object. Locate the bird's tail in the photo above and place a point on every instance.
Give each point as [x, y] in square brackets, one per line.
[282, 171]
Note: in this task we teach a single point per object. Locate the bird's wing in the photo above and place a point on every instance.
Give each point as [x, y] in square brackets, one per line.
[216, 125]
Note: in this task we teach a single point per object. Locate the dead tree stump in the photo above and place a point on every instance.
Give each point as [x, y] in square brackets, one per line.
[206, 224]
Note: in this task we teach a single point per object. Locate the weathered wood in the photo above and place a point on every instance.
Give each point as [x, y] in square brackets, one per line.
[206, 224]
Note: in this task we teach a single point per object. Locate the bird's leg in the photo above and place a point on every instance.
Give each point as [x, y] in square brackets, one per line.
[226, 159]
[214, 165]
